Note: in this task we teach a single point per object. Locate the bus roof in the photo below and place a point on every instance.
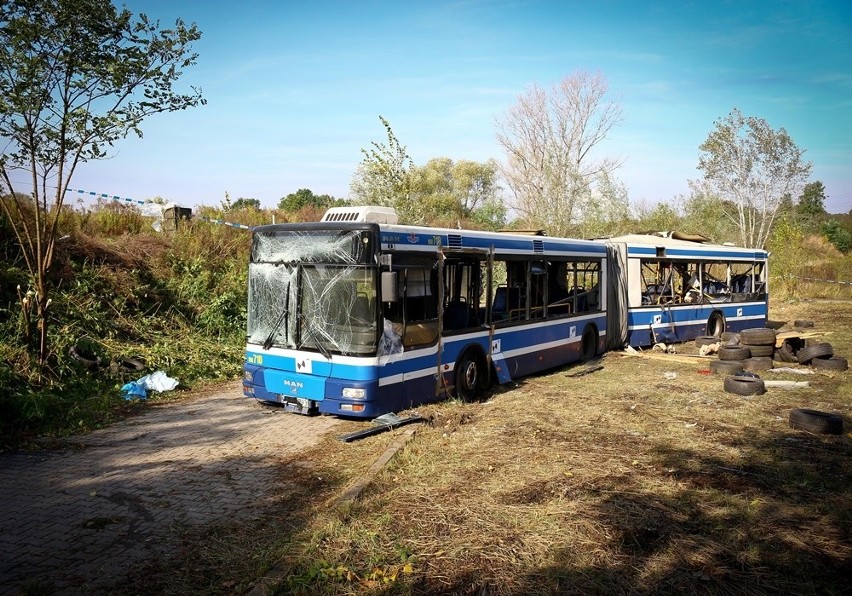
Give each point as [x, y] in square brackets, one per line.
[649, 244]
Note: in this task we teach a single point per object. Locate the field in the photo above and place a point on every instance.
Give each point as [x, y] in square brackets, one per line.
[629, 479]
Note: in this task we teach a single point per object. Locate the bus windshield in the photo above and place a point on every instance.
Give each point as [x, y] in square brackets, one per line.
[313, 290]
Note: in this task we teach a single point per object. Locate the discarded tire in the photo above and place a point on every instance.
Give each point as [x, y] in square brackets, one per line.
[706, 340]
[757, 363]
[733, 353]
[761, 350]
[730, 338]
[757, 337]
[87, 357]
[818, 350]
[775, 324]
[815, 421]
[833, 363]
[788, 349]
[726, 367]
[803, 323]
[744, 385]
[131, 365]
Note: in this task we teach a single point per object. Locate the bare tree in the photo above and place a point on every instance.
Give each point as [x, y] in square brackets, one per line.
[754, 167]
[550, 139]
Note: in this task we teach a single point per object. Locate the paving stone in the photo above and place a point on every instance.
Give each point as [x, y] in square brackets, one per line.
[198, 462]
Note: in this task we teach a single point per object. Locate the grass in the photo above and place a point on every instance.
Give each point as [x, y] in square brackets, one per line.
[620, 481]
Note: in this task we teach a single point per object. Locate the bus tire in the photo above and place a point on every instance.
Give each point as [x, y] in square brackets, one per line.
[757, 363]
[814, 421]
[833, 363]
[470, 376]
[761, 350]
[706, 340]
[716, 324]
[729, 338]
[744, 385]
[758, 336]
[818, 350]
[733, 353]
[589, 344]
[728, 367]
[788, 349]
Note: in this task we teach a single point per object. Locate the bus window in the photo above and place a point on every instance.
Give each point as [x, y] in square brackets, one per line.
[463, 292]
[587, 291]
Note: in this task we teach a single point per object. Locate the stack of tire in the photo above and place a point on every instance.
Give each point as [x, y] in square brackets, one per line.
[741, 356]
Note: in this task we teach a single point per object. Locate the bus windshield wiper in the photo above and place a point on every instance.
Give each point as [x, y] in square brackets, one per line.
[282, 318]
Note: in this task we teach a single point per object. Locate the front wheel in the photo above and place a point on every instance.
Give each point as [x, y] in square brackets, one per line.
[469, 378]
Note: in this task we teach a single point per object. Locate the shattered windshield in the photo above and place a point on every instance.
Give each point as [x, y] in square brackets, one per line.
[310, 289]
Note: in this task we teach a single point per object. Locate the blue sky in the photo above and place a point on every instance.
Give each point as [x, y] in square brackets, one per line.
[295, 89]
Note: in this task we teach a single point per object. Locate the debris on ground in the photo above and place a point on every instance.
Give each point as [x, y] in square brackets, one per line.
[139, 388]
[381, 424]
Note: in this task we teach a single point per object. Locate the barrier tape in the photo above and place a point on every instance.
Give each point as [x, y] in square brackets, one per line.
[214, 220]
[105, 196]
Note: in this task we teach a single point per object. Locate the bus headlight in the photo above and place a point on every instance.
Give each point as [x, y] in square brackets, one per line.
[354, 392]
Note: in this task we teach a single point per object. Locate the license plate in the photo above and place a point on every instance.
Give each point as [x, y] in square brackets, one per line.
[299, 405]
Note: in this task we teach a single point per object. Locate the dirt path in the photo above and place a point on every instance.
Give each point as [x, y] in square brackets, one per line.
[77, 519]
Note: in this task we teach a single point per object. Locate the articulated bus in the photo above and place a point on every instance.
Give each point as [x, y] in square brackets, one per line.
[359, 316]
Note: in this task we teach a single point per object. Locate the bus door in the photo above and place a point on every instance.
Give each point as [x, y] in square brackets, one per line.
[464, 294]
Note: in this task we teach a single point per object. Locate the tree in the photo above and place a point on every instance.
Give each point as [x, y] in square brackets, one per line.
[812, 200]
[75, 77]
[384, 178]
[243, 203]
[304, 198]
[550, 140]
[753, 166]
[461, 190]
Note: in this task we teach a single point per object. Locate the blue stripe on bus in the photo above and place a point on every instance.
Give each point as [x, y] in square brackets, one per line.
[401, 240]
[696, 253]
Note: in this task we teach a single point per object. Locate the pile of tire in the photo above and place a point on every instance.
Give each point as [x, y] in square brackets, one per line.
[814, 353]
[741, 356]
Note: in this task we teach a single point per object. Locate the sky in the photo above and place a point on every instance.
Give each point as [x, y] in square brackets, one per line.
[295, 89]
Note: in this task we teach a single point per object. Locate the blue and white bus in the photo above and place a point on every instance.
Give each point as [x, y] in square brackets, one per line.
[679, 287]
[359, 316]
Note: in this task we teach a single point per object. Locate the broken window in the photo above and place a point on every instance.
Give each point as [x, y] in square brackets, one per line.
[307, 290]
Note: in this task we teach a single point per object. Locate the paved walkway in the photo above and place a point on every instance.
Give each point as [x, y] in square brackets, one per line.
[75, 519]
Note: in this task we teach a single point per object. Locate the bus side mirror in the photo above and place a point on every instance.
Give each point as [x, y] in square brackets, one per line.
[389, 291]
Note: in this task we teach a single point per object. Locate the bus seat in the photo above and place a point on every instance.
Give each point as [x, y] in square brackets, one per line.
[456, 315]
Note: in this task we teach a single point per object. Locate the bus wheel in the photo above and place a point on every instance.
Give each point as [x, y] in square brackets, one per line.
[716, 325]
[589, 344]
[470, 378]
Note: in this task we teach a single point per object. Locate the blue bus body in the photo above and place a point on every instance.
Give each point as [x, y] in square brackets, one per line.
[454, 298]
[356, 316]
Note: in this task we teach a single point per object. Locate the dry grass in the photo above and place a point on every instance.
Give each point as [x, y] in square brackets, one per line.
[620, 481]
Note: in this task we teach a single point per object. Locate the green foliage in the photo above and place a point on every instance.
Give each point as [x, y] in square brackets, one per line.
[812, 200]
[176, 301]
[75, 77]
[785, 264]
[835, 233]
[305, 199]
[384, 178]
[448, 192]
[754, 167]
[242, 203]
